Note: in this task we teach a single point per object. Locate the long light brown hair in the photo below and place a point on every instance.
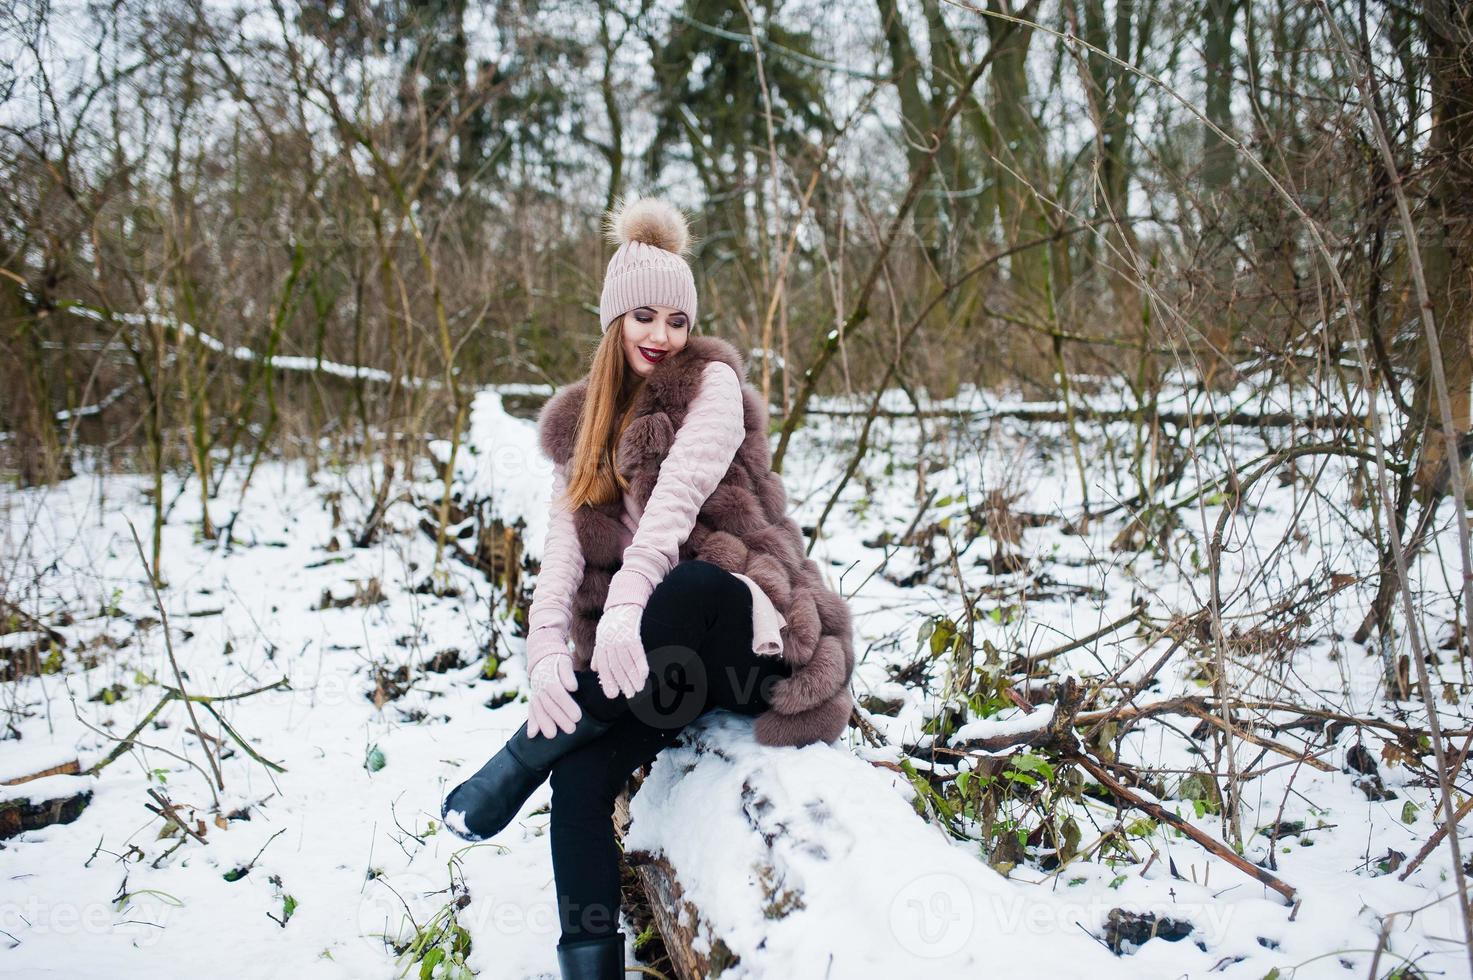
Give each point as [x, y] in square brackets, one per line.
[607, 408]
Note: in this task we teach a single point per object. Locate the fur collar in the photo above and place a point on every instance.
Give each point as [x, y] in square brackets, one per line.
[669, 387]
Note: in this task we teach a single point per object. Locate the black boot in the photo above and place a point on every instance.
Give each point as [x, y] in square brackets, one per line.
[485, 803]
[592, 959]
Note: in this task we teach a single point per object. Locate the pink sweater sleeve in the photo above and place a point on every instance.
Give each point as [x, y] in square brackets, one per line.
[562, 566]
[704, 447]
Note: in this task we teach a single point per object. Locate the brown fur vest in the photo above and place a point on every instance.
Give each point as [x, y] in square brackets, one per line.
[742, 527]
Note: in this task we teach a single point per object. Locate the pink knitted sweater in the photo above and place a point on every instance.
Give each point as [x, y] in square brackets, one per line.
[699, 457]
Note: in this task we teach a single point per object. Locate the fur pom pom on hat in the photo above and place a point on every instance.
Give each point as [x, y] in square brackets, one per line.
[648, 268]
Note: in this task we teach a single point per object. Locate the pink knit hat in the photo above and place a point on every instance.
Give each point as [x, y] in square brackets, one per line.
[648, 268]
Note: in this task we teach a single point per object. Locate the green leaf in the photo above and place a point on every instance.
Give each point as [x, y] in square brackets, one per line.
[1070, 846]
[376, 759]
[1029, 762]
[1202, 790]
[942, 636]
[1143, 827]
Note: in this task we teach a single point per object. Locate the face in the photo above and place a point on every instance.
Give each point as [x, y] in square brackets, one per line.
[651, 334]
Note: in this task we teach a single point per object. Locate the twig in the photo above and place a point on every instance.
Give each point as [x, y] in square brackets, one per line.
[1103, 631]
[1436, 839]
[1135, 691]
[1247, 736]
[167, 809]
[170, 693]
[890, 551]
[169, 646]
[1181, 705]
[1165, 816]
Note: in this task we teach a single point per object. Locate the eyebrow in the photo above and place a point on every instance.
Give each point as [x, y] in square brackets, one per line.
[651, 309]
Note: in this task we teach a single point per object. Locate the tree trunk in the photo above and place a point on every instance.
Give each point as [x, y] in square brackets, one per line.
[1444, 229]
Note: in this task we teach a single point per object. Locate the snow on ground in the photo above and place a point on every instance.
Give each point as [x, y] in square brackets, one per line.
[345, 836]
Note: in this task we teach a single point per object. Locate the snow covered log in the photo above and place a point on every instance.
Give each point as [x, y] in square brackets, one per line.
[677, 919]
[56, 794]
[811, 862]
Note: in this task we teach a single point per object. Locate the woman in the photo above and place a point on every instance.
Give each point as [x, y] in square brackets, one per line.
[672, 565]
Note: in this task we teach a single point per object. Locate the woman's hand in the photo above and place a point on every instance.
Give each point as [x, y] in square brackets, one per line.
[552, 705]
[545, 641]
[618, 654]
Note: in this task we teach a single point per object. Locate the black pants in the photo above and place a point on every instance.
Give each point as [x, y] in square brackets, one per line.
[697, 635]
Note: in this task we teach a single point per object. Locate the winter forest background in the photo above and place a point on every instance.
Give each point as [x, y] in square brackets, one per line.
[1119, 362]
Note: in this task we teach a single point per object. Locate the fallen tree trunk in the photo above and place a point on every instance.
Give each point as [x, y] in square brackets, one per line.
[57, 794]
[1183, 420]
[812, 862]
[675, 917]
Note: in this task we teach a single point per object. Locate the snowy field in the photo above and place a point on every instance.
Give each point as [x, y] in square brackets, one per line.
[324, 837]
